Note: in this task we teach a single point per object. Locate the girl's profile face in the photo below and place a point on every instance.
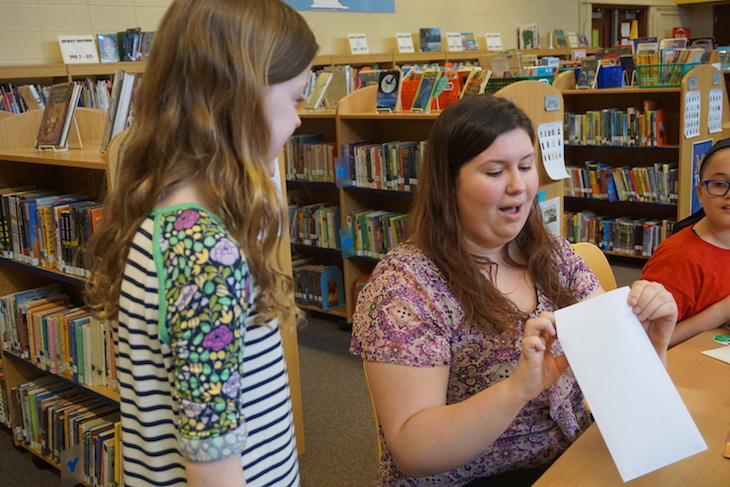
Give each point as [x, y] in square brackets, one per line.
[495, 190]
[717, 208]
[281, 111]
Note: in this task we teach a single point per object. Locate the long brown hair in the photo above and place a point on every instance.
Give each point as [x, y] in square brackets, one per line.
[464, 130]
[200, 117]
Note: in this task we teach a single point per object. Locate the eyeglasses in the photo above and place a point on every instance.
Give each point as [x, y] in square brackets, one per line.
[717, 187]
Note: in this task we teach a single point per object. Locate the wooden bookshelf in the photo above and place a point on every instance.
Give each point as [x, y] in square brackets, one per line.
[678, 150]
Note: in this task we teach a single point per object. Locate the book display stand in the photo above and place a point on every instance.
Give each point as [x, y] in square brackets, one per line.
[66, 146]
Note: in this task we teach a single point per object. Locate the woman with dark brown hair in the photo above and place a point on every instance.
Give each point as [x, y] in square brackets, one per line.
[456, 325]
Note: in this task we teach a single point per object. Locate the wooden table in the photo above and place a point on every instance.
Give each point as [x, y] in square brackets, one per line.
[704, 384]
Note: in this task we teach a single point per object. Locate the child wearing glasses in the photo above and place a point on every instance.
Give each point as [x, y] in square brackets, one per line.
[694, 263]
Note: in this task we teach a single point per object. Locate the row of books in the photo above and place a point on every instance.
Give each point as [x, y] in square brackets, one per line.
[50, 417]
[44, 328]
[317, 225]
[622, 235]
[132, 45]
[615, 127]
[121, 105]
[46, 228]
[308, 158]
[375, 232]
[390, 166]
[318, 285]
[646, 184]
[22, 98]
[328, 85]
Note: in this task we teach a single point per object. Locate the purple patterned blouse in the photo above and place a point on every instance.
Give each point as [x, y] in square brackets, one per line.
[407, 315]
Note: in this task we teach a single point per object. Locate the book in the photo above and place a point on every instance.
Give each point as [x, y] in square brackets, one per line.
[476, 82]
[316, 97]
[124, 103]
[31, 97]
[388, 96]
[425, 92]
[560, 39]
[528, 36]
[112, 111]
[340, 84]
[574, 40]
[108, 49]
[430, 38]
[469, 41]
[58, 116]
[588, 74]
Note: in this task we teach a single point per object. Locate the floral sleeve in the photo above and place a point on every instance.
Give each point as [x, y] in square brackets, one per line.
[207, 294]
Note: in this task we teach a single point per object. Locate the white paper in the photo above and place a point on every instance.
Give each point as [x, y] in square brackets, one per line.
[78, 49]
[691, 114]
[722, 353]
[550, 215]
[639, 412]
[454, 41]
[714, 113]
[494, 41]
[358, 44]
[405, 42]
[550, 137]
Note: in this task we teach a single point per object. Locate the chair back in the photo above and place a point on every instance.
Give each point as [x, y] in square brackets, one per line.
[375, 412]
[598, 263]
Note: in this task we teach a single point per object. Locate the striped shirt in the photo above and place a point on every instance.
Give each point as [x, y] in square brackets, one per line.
[197, 379]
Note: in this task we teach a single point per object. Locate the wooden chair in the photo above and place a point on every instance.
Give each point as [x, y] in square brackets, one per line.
[597, 261]
[375, 412]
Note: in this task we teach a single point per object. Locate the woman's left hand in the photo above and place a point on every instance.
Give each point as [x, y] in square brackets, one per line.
[656, 309]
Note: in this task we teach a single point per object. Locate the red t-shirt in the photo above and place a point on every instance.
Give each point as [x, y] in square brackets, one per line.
[696, 272]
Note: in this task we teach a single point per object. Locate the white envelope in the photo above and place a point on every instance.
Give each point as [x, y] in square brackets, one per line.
[722, 353]
[639, 412]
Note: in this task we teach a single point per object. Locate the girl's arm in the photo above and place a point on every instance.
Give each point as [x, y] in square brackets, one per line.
[220, 473]
[709, 318]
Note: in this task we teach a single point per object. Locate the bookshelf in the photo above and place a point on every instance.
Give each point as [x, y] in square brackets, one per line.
[677, 152]
[83, 171]
[357, 121]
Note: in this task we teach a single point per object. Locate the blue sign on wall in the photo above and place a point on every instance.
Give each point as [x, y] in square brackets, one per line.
[344, 5]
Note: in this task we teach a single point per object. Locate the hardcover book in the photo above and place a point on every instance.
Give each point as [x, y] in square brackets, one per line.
[588, 74]
[108, 49]
[388, 96]
[430, 39]
[58, 116]
[529, 37]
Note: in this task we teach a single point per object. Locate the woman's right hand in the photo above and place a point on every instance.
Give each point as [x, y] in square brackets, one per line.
[538, 368]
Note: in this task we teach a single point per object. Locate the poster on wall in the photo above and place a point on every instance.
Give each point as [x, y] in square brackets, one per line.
[344, 5]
